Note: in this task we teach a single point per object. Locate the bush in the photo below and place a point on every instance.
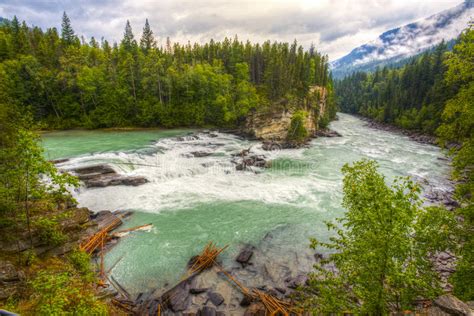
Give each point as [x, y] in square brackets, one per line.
[50, 232]
[297, 131]
[80, 260]
[63, 293]
[380, 248]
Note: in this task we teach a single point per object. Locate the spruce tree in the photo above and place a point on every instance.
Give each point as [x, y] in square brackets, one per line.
[147, 41]
[67, 33]
[128, 41]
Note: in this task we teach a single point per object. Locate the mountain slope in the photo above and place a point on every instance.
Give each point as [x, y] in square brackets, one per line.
[406, 41]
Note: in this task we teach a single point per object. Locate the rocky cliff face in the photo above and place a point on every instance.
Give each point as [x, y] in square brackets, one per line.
[274, 125]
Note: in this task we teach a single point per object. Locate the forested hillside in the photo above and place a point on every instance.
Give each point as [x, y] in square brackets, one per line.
[411, 97]
[434, 94]
[65, 82]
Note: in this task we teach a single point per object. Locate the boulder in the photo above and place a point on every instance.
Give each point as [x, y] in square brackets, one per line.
[115, 180]
[200, 154]
[79, 216]
[105, 218]
[8, 272]
[11, 280]
[178, 298]
[246, 301]
[297, 281]
[95, 169]
[327, 133]
[452, 305]
[245, 255]
[196, 291]
[256, 309]
[207, 311]
[216, 298]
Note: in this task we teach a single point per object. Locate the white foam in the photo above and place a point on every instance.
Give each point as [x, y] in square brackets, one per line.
[177, 181]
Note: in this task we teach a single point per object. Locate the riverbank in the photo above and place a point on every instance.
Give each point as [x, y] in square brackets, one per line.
[192, 198]
[413, 135]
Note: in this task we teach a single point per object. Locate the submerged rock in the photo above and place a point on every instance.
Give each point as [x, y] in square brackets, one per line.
[327, 133]
[245, 255]
[200, 154]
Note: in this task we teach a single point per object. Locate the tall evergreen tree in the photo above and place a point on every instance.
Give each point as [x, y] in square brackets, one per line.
[147, 41]
[67, 33]
[128, 41]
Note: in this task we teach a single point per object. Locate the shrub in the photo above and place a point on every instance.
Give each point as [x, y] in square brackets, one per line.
[50, 232]
[297, 131]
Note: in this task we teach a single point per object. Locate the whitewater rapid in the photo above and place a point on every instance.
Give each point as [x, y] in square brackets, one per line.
[191, 200]
[177, 179]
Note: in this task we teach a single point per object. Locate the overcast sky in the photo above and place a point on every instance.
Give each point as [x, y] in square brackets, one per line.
[335, 27]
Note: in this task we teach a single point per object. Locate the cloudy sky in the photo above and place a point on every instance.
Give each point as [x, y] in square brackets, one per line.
[334, 26]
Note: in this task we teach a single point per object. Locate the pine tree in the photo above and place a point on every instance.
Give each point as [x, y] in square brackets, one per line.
[19, 37]
[147, 41]
[67, 33]
[128, 41]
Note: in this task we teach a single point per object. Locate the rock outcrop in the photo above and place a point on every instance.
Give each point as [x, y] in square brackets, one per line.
[105, 175]
[273, 125]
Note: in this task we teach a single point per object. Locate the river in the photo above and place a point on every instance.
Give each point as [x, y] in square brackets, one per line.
[191, 201]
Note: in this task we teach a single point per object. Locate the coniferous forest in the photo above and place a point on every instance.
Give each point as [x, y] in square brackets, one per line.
[65, 82]
[377, 259]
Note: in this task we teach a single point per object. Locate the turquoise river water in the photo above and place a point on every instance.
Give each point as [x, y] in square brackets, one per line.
[191, 201]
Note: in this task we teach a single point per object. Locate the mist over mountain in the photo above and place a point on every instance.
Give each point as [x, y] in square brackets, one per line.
[406, 41]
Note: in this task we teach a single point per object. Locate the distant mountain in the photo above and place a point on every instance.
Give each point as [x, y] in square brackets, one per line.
[409, 40]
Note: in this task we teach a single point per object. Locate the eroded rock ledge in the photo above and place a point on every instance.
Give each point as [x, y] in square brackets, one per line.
[104, 175]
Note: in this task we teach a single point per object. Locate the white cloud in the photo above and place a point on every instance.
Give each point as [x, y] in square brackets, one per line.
[335, 27]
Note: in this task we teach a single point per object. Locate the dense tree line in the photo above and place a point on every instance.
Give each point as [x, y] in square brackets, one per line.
[66, 82]
[434, 94]
[412, 96]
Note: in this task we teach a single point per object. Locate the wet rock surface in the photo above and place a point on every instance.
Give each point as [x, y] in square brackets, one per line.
[413, 135]
[245, 255]
[245, 160]
[255, 267]
[104, 175]
[326, 133]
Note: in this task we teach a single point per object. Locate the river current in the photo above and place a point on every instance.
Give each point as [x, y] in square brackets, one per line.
[191, 200]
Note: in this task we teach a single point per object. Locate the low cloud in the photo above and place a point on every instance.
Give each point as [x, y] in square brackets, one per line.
[335, 27]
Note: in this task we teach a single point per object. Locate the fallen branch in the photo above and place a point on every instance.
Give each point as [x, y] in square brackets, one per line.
[125, 232]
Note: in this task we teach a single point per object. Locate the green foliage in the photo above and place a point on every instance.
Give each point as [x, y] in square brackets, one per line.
[24, 191]
[63, 293]
[457, 130]
[434, 93]
[381, 247]
[49, 231]
[297, 131]
[65, 83]
[81, 261]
